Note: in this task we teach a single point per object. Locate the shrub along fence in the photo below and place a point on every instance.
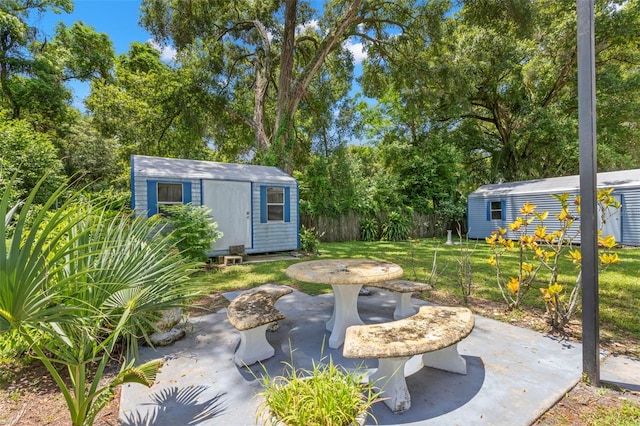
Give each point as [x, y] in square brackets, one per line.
[347, 226]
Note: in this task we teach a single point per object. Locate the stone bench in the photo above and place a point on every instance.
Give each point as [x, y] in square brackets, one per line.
[429, 338]
[251, 313]
[402, 291]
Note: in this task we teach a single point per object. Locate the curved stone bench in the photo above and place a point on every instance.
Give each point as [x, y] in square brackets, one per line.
[251, 313]
[430, 338]
[402, 291]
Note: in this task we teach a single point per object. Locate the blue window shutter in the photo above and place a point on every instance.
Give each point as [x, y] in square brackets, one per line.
[287, 204]
[263, 204]
[488, 210]
[503, 207]
[152, 198]
[186, 192]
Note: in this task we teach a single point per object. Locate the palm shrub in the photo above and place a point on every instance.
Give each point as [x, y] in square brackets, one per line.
[87, 281]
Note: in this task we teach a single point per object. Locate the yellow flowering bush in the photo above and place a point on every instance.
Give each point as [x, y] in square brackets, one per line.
[540, 246]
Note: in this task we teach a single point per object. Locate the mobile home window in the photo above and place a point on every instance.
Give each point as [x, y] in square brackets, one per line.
[496, 210]
[169, 193]
[275, 204]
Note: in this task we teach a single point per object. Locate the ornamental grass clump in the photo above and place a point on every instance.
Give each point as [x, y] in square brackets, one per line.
[327, 394]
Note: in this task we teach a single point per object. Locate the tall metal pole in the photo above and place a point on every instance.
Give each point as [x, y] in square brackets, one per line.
[588, 191]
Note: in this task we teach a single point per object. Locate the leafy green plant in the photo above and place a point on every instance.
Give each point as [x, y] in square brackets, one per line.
[192, 229]
[78, 284]
[396, 227]
[309, 240]
[327, 394]
[368, 229]
[539, 249]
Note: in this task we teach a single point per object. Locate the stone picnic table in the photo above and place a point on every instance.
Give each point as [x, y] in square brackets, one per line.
[346, 277]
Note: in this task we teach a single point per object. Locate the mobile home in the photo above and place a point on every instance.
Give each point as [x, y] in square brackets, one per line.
[495, 206]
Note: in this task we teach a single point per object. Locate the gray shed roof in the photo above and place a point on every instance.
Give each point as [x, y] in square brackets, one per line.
[176, 168]
[620, 179]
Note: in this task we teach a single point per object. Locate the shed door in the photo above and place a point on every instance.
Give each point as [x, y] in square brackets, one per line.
[613, 225]
[230, 204]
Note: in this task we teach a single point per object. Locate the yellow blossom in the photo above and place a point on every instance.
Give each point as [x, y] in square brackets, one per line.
[542, 216]
[513, 285]
[527, 240]
[563, 215]
[527, 267]
[608, 242]
[575, 256]
[502, 231]
[516, 224]
[541, 232]
[491, 240]
[609, 258]
[527, 209]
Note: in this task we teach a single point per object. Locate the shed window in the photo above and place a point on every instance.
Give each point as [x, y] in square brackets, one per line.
[496, 210]
[275, 204]
[169, 193]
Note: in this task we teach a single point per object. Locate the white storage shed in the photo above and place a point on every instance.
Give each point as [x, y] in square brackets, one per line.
[497, 205]
[254, 206]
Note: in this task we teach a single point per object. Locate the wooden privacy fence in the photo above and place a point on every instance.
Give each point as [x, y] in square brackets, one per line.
[347, 226]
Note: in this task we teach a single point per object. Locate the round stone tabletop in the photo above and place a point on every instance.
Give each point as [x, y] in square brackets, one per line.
[344, 271]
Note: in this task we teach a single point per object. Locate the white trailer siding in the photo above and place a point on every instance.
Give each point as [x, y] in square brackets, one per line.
[513, 195]
[202, 182]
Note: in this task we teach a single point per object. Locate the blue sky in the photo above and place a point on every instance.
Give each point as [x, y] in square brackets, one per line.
[119, 19]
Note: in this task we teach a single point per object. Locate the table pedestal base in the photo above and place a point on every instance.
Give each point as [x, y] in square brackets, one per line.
[345, 312]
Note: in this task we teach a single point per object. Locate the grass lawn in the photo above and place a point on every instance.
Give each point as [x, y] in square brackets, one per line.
[430, 260]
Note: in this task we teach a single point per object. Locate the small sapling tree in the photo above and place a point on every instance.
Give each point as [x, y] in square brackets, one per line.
[540, 245]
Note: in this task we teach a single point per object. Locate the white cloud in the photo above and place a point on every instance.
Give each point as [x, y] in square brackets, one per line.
[167, 53]
[310, 24]
[356, 49]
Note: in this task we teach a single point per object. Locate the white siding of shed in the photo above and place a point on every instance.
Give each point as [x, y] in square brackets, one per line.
[140, 192]
[631, 217]
[626, 186]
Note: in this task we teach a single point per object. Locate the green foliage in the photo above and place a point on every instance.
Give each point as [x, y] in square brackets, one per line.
[396, 227]
[29, 155]
[626, 415]
[327, 394]
[498, 79]
[192, 229]
[309, 240]
[96, 281]
[368, 229]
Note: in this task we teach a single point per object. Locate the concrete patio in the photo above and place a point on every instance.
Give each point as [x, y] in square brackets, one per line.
[514, 374]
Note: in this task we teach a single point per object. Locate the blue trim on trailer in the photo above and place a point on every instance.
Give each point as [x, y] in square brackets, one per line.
[287, 204]
[187, 196]
[263, 204]
[201, 194]
[152, 197]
